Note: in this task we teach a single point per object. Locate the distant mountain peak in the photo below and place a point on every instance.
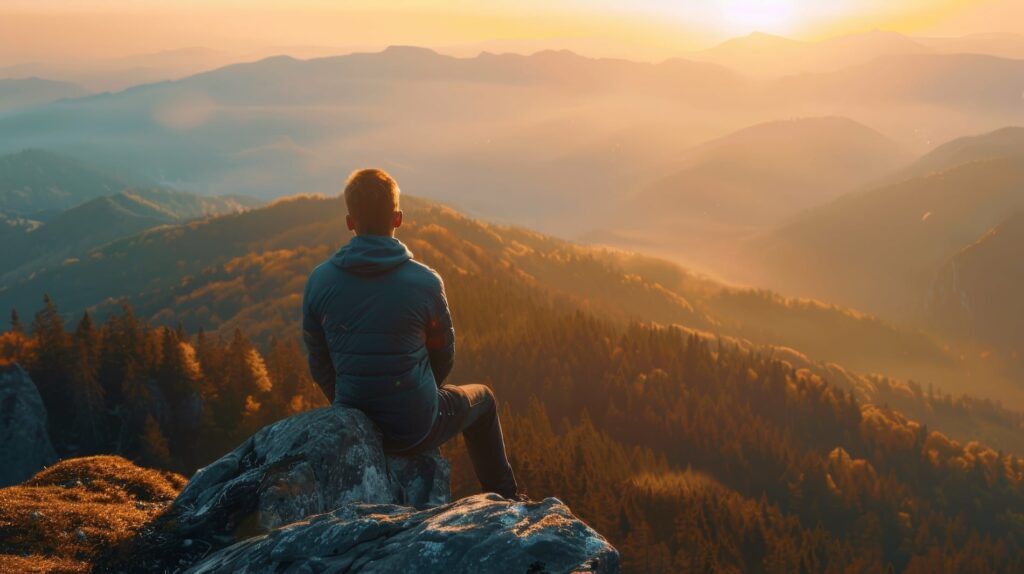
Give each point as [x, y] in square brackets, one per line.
[756, 39]
[402, 49]
[1007, 141]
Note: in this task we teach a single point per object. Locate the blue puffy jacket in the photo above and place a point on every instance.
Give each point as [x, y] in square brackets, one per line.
[379, 335]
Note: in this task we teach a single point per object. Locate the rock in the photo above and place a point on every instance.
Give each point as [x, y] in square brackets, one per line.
[479, 534]
[25, 445]
[304, 465]
[315, 493]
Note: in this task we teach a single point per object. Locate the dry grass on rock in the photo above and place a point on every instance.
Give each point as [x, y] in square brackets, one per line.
[61, 518]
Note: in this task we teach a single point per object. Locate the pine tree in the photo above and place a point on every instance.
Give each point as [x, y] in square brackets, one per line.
[247, 386]
[153, 449]
[89, 408]
[16, 326]
[177, 374]
[50, 368]
[121, 354]
[294, 390]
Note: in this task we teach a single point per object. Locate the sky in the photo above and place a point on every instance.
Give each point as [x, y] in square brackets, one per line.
[44, 30]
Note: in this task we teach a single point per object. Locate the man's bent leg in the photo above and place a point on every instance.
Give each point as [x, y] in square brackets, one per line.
[472, 411]
[484, 440]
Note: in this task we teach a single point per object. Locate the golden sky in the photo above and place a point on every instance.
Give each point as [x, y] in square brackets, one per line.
[85, 29]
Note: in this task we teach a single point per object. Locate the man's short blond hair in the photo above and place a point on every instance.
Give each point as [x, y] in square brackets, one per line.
[371, 196]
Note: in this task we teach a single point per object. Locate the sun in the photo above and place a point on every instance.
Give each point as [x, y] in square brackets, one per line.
[744, 16]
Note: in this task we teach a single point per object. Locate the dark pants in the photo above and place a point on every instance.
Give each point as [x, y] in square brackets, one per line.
[472, 411]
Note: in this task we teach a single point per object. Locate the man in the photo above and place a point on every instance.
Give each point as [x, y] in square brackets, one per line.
[380, 339]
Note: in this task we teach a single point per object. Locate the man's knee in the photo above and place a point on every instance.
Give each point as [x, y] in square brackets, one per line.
[490, 398]
[481, 396]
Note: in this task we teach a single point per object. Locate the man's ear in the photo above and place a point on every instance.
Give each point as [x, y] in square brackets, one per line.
[396, 220]
[351, 223]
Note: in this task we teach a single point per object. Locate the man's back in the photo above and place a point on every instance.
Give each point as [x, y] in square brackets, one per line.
[380, 339]
[380, 335]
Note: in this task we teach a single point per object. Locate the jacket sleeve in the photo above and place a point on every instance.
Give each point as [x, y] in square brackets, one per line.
[320, 366]
[440, 336]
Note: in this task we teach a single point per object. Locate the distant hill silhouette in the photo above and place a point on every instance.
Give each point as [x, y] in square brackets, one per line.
[98, 221]
[1003, 45]
[765, 55]
[978, 291]
[283, 123]
[54, 208]
[36, 183]
[968, 82]
[751, 180]
[769, 171]
[523, 138]
[18, 93]
[880, 249]
[1004, 142]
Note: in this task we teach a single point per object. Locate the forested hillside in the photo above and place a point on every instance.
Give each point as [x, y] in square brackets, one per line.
[916, 226]
[689, 451]
[247, 270]
[33, 246]
[36, 183]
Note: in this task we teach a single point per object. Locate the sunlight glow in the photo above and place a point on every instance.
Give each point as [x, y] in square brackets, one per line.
[745, 16]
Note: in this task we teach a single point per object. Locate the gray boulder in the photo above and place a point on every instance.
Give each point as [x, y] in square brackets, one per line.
[478, 534]
[315, 493]
[307, 464]
[25, 445]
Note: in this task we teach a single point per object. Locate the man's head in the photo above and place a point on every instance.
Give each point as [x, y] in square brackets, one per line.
[371, 196]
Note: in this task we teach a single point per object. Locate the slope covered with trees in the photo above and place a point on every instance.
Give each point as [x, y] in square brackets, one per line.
[32, 246]
[689, 451]
[915, 226]
[686, 453]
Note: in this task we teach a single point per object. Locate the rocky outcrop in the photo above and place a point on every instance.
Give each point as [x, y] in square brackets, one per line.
[25, 445]
[315, 493]
[483, 533]
[307, 464]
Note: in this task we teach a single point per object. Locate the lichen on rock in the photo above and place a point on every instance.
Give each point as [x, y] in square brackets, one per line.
[482, 533]
[316, 493]
[307, 464]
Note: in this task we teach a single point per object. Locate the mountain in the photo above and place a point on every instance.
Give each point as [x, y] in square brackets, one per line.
[188, 264]
[26, 92]
[517, 138]
[1004, 142]
[54, 208]
[952, 80]
[756, 455]
[36, 183]
[977, 292]
[72, 233]
[880, 249]
[246, 270]
[119, 73]
[754, 179]
[554, 125]
[1001, 45]
[765, 55]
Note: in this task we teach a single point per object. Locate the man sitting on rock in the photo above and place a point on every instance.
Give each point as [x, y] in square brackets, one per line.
[380, 339]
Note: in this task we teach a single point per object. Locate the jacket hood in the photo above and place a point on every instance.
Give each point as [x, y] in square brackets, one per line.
[371, 255]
